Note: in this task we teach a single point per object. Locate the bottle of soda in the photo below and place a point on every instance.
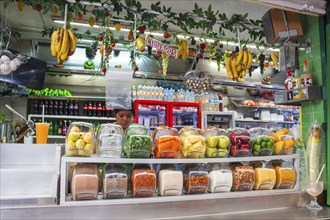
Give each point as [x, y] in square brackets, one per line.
[60, 108]
[104, 110]
[40, 107]
[99, 110]
[35, 107]
[55, 108]
[60, 124]
[85, 109]
[66, 108]
[51, 128]
[46, 107]
[51, 107]
[90, 109]
[94, 109]
[71, 108]
[64, 127]
[55, 130]
[76, 108]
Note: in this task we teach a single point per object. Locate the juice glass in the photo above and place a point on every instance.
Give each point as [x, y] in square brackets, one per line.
[42, 132]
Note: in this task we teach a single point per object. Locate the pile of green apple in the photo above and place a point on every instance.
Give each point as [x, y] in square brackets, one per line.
[217, 146]
[262, 145]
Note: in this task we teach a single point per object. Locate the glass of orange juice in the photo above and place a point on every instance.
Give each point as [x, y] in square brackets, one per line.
[42, 132]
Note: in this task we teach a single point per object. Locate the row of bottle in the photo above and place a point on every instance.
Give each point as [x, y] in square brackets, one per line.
[159, 93]
[68, 107]
[296, 85]
[60, 127]
[55, 107]
[97, 110]
[210, 101]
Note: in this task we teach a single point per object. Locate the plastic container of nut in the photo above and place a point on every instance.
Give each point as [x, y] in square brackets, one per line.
[114, 181]
[195, 178]
[220, 177]
[243, 177]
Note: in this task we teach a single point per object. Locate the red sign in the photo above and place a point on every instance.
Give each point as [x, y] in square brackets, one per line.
[160, 46]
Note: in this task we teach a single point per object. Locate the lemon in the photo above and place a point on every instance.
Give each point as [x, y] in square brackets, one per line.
[91, 21]
[73, 136]
[71, 153]
[71, 144]
[80, 143]
[88, 138]
[140, 43]
[82, 153]
[75, 129]
[117, 26]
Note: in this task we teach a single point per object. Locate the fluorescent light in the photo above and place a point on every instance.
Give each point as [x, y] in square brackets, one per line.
[87, 25]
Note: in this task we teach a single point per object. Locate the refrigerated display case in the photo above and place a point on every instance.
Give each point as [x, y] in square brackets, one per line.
[183, 114]
[221, 120]
[151, 113]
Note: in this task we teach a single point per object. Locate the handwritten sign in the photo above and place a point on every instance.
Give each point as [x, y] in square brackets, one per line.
[160, 46]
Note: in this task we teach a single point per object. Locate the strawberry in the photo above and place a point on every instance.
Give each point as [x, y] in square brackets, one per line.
[80, 16]
[113, 44]
[100, 38]
[106, 14]
[136, 68]
[142, 29]
[166, 34]
[200, 56]
[104, 69]
[202, 46]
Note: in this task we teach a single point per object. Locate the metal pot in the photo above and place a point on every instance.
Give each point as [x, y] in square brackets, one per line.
[7, 132]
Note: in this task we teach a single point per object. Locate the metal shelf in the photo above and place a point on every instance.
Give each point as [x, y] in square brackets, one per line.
[270, 122]
[74, 117]
[95, 159]
[66, 199]
[84, 98]
[54, 136]
[183, 197]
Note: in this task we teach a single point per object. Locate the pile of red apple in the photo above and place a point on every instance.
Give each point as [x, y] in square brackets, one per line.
[240, 146]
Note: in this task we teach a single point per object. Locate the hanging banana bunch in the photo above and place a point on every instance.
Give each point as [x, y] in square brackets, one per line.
[274, 57]
[63, 43]
[182, 48]
[165, 57]
[237, 64]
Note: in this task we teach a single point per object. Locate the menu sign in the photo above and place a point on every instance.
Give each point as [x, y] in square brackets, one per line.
[160, 46]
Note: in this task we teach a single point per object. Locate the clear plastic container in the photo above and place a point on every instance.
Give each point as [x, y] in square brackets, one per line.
[109, 138]
[143, 179]
[284, 145]
[195, 178]
[243, 177]
[240, 142]
[137, 142]
[192, 143]
[217, 142]
[114, 181]
[286, 176]
[85, 182]
[220, 177]
[170, 180]
[166, 142]
[262, 145]
[265, 176]
[80, 140]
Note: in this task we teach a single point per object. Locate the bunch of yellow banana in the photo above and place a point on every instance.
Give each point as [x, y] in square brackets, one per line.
[183, 49]
[274, 57]
[237, 64]
[63, 44]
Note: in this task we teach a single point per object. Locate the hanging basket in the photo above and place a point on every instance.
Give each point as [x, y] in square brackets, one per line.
[198, 81]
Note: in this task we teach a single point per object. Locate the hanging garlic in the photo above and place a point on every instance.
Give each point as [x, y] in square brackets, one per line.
[5, 59]
[4, 69]
[14, 64]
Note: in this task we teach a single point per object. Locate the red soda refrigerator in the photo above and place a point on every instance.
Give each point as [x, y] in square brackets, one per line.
[151, 113]
[183, 114]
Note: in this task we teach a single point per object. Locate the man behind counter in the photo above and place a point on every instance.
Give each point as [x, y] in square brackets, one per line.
[124, 117]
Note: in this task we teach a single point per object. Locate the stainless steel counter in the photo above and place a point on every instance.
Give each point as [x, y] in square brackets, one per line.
[290, 206]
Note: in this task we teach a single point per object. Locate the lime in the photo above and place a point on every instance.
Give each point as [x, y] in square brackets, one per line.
[258, 140]
[256, 147]
[265, 138]
[269, 145]
[264, 144]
